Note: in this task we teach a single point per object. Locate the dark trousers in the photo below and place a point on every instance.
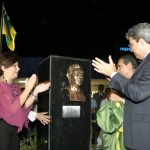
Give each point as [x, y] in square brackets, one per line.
[9, 139]
[95, 132]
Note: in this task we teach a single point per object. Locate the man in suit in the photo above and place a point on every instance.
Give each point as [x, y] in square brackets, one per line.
[98, 96]
[136, 89]
[112, 129]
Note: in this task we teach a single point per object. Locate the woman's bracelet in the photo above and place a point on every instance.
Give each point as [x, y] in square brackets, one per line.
[33, 95]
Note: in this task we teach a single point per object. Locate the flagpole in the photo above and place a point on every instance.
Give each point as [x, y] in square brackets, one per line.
[1, 24]
[1, 28]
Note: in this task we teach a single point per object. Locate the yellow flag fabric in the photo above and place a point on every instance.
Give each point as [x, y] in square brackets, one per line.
[8, 30]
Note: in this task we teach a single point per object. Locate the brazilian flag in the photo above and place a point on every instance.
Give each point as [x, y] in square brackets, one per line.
[7, 29]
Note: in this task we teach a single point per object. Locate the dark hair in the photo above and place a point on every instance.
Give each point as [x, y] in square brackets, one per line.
[107, 90]
[100, 86]
[7, 59]
[141, 30]
[129, 58]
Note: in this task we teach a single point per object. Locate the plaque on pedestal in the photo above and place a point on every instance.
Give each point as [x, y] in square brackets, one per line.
[67, 101]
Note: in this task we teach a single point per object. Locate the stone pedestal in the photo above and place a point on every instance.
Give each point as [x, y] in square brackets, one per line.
[70, 126]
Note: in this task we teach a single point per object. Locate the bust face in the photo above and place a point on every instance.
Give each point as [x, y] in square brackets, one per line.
[77, 77]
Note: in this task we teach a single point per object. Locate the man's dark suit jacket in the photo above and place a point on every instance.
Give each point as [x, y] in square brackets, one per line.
[99, 98]
[137, 106]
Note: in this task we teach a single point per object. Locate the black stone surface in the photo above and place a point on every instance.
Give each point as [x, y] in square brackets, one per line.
[63, 133]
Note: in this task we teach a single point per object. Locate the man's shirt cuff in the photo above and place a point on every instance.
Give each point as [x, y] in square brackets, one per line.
[32, 116]
[113, 74]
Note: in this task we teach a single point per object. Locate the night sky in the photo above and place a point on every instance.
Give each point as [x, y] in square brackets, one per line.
[73, 28]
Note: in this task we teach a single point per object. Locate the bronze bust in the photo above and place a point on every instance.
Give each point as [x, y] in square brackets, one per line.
[75, 77]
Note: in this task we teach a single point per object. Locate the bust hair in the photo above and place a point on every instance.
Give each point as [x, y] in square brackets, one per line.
[71, 69]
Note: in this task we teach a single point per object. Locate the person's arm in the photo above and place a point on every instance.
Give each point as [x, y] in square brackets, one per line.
[38, 89]
[28, 88]
[102, 67]
[116, 98]
[136, 88]
[43, 117]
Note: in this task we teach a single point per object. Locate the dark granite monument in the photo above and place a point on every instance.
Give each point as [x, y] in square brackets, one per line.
[70, 126]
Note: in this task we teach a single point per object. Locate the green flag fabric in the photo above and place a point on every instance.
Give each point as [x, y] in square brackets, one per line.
[8, 30]
[110, 119]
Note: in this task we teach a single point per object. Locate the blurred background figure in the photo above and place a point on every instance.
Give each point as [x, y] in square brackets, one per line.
[93, 119]
[98, 96]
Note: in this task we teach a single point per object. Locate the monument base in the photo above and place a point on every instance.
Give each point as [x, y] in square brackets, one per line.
[70, 126]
